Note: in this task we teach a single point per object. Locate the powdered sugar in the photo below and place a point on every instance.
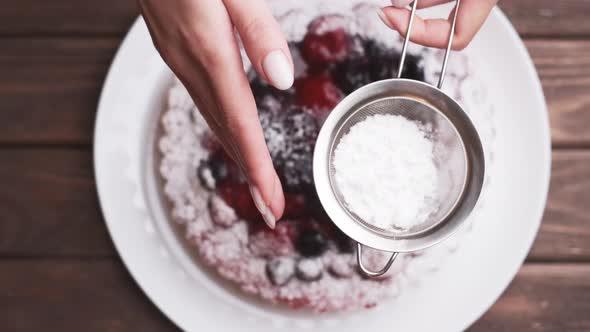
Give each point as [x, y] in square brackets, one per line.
[385, 170]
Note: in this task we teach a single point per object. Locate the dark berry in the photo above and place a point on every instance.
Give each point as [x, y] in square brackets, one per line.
[325, 48]
[309, 269]
[290, 135]
[317, 92]
[295, 206]
[311, 243]
[280, 270]
[385, 61]
[218, 166]
[237, 195]
[352, 74]
[344, 243]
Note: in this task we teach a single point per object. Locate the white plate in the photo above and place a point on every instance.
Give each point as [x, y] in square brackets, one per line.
[447, 300]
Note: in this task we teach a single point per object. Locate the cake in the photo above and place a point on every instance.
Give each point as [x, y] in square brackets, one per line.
[306, 262]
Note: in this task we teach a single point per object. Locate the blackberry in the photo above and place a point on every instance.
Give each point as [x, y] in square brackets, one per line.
[352, 74]
[213, 170]
[311, 243]
[385, 61]
[290, 135]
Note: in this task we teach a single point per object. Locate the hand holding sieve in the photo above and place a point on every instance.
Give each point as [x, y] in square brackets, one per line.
[460, 160]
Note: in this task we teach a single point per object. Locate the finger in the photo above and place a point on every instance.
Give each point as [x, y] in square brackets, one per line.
[263, 40]
[212, 70]
[435, 32]
[421, 3]
[431, 3]
[239, 117]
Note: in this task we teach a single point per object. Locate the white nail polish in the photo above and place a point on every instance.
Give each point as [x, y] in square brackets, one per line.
[401, 3]
[278, 70]
[383, 18]
[264, 209]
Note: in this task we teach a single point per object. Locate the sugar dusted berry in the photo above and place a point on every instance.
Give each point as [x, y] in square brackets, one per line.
[280, 270]
[309, 269]
[290, 136]
[221, 213]
[340, 266]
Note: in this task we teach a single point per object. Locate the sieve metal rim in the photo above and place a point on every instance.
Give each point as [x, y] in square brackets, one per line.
[334, 187]
[350, 226]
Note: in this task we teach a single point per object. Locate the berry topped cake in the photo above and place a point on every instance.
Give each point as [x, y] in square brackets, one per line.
[306, 262]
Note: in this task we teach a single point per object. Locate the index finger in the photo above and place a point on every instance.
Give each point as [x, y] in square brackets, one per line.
[435, 32]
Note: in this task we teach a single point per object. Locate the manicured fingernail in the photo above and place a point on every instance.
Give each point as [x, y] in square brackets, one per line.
[401, 3]
[383, 18]
[264, 209]
[278, 70]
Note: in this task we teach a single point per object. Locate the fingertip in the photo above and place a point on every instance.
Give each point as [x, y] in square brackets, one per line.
[383, 17]
[395, 18]
[278, 69]
[277, 204]
[263, 207]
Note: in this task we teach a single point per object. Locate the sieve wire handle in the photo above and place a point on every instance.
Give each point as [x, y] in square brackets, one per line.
[367, 271]
[443, 70]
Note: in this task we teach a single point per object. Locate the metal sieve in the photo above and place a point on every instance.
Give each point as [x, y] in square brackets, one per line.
[458, 156]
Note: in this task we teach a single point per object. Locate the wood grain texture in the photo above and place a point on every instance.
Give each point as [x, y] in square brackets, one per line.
[538, 18]
[542, 298]
[565, 231]
[74, 296]
[564, 68]
[548, 18]
[49, 88]
[101, 296]
[50, 207]
[66, 17]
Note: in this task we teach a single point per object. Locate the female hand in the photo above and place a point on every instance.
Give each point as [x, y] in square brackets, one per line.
[196, 38]
[435, 32]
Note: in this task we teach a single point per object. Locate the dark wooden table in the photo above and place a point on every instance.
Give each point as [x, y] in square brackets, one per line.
[59, 270]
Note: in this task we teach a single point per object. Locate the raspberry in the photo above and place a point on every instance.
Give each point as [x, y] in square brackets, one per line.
[237, 195]
[328, 47]
[317, 92]
[295, 206]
